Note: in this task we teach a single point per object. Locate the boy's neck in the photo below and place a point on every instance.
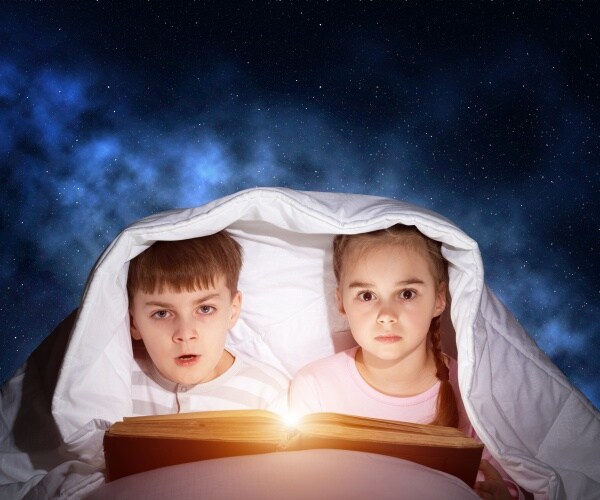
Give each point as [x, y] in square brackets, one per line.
[225, 363]
[406, 378]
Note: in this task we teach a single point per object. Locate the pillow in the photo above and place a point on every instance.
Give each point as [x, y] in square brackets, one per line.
[330, 474]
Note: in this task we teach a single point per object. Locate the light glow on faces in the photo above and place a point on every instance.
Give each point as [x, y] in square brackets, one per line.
[185, 332]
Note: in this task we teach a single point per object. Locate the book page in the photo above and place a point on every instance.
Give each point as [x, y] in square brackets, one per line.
[250, 415]
[356, 433]
[350, 422]
[231, 425]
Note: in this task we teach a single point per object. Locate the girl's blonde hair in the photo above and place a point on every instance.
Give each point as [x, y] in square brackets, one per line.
[411, 237]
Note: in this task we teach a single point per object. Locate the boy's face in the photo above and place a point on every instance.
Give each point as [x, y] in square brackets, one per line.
[389, 297]
[184, 332]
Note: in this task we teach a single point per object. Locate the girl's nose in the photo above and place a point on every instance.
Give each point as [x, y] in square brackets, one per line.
[386, 315]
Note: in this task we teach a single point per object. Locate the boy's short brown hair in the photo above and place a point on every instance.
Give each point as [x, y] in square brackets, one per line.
[186, 265]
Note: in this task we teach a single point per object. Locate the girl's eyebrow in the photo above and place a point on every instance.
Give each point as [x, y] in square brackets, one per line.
[409, 281]
[360, 284]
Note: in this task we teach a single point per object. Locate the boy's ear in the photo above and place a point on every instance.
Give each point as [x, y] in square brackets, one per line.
[440, 299]
[236, 309]
[340, 302]
[135, 333]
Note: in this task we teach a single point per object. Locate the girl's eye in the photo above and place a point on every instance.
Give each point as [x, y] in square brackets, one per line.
[408, 294]
[206, 309]
[366, 296]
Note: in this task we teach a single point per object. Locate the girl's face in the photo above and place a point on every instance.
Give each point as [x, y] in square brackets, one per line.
[389, 295]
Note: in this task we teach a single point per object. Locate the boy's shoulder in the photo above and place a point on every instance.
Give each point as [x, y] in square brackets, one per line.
[247, 366]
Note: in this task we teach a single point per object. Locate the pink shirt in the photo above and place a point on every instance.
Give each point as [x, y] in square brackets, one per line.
[333, 384]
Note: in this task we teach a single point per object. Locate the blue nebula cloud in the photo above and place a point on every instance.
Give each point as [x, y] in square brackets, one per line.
[495, 145]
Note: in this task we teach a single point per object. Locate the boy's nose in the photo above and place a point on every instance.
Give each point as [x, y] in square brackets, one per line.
[186, 331]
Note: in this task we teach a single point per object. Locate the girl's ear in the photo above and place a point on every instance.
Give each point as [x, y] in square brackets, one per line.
[440, 299]
[135, 333]
[340, 302]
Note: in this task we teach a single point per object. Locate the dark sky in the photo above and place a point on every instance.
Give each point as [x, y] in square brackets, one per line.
[487, 113]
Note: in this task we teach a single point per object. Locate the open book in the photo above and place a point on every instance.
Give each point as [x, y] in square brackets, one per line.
[138, 444]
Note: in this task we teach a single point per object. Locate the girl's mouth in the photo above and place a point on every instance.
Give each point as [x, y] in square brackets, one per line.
[388, 339]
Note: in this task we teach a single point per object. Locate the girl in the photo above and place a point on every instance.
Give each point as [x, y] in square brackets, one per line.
[392, 287]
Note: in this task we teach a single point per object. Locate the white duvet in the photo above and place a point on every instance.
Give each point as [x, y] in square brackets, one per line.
[541, 429]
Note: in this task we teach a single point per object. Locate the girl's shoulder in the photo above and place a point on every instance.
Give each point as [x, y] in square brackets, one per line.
[333, 362]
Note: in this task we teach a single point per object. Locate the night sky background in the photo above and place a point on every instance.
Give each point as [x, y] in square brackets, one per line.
[486, 112]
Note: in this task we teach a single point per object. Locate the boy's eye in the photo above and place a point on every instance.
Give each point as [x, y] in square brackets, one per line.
[408, 294]
[366, 296]
[206, 309]
[161, 314]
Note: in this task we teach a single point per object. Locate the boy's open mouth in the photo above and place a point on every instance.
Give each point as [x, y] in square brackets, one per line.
[187, 357]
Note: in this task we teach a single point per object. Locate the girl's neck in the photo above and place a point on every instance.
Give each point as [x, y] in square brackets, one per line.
[405, 378]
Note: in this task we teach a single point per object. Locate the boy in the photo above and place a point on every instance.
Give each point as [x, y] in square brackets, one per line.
[183, 299]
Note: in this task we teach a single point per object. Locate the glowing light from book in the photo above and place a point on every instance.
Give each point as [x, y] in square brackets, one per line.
[290, 419]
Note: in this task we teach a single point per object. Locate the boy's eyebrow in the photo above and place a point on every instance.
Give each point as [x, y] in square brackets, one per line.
[199, 300]
[156, 303]
[409, 281]
[210, 296]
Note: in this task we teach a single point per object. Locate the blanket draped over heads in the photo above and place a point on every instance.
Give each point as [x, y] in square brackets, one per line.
[541, 429]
